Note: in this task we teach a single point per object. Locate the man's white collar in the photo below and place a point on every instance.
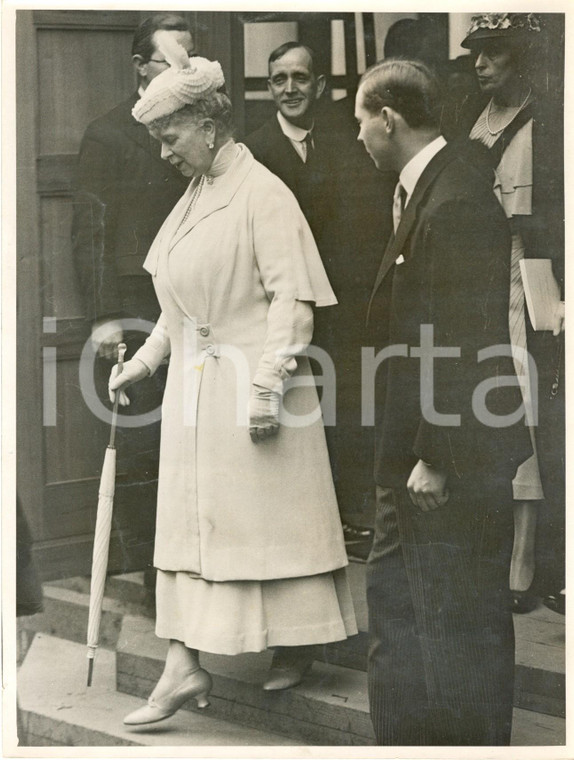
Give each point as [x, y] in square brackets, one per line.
[290, 130]
[412, 171]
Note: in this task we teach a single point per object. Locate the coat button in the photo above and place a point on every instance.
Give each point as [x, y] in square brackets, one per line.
[210, 350]
[204, 331]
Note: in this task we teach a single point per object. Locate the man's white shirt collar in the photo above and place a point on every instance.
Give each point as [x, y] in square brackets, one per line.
[412, 171]
[292, 131]
[296, 135]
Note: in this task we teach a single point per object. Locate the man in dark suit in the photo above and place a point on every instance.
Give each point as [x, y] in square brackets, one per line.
[291, 144]
[124, 192]
[441, 659]
[310, 143]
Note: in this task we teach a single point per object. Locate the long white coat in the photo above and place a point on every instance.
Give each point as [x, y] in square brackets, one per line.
[235, 282]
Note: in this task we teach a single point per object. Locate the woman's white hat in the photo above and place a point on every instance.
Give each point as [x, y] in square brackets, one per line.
[186, 80]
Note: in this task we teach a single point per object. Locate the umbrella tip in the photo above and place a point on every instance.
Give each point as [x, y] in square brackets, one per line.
[90, 670]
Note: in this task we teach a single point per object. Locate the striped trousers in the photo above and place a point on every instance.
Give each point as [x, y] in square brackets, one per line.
[441, 655]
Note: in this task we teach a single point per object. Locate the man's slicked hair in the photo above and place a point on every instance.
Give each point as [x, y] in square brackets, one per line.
[143, 38]
[286, 47]
[408, 87]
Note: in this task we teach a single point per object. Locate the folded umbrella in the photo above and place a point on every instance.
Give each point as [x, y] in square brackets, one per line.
[102, 534]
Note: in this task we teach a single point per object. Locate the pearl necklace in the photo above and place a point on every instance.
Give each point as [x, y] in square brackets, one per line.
[514, 115]
[193, 200]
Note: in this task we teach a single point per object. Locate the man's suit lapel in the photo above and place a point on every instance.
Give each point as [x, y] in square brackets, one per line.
[409, 216]
[281, 149]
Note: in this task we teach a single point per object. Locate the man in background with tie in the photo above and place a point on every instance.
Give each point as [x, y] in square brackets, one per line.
[448, 439]
[289, 144]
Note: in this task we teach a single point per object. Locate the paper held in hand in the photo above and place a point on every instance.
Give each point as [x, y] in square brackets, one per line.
[541, 291]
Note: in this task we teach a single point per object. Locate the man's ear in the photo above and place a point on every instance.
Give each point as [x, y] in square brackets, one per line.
[388, 117]
[139, 65]
[321, 82]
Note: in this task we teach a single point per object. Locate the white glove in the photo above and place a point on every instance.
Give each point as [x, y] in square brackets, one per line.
[132, 371]
[106, 334]
[263, 413]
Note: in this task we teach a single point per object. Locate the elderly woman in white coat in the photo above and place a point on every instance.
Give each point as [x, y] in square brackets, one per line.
[249, 548]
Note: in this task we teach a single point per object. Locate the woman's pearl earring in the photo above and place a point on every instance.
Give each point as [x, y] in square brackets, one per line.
[210, 146]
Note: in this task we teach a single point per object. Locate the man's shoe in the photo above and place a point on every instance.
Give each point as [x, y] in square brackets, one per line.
[358, 541]
[522, 602]
[355, 534]
[556, 602]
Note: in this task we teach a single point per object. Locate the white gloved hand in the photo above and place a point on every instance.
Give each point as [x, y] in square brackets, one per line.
[132, 371]
[263, 413]
[106, 334]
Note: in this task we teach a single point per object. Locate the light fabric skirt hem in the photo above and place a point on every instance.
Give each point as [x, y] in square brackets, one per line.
[251, 616]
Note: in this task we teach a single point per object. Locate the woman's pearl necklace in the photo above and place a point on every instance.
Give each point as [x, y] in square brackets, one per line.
[512, 117]
[194, 199]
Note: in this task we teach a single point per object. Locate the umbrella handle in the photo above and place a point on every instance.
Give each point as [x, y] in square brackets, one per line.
[122, 348]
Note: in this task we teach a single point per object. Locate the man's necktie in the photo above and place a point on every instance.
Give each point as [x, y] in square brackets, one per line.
[399, 200]
[309, 147]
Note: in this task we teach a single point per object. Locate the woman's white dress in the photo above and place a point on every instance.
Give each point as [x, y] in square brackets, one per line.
[249, 546]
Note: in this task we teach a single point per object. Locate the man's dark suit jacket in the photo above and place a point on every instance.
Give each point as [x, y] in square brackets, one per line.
[313, 183]
[124, 193]
[455, 242]
[441, 658]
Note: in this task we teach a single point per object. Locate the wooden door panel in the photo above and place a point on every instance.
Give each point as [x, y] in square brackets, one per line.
[83, 74]
[72, 66]
[75, 445]
[60, 293]
[70, 556]
[83, 69]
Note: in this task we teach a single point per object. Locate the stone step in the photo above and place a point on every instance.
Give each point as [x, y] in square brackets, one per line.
[58, 710]
[329, 708]
[540, 680]
[540, 634]
[66, 614]
[127, 588]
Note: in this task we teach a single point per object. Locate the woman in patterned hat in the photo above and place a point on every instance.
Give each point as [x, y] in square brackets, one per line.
[522, 129]
[249, 547]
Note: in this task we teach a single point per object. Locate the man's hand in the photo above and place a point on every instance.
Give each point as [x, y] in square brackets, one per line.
[559, 317]
[427, 487]
[106, 334]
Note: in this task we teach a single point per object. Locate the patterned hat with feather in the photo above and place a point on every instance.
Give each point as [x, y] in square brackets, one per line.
[186, 80]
